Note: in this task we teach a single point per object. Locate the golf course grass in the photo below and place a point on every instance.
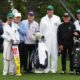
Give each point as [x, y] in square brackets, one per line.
[34, 76]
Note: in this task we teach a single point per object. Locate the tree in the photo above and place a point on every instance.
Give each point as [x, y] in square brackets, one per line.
[4, 9]
[20, 6]
[39, 6]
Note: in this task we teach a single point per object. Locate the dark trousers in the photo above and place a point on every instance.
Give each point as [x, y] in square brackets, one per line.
[28, 51]
[22, 56]
[67, 49]
[1, 45]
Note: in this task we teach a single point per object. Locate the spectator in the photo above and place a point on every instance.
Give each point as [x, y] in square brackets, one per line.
[17, 20]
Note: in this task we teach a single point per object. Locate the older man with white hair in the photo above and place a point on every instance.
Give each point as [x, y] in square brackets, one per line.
[17, 20]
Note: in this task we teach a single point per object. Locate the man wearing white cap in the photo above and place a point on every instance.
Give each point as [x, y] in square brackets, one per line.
[17, 20]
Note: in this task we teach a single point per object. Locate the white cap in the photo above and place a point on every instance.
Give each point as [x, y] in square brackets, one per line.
[17, 15]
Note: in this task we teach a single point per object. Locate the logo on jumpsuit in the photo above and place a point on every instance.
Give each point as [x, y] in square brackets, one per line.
[69, 28]
[55, 24]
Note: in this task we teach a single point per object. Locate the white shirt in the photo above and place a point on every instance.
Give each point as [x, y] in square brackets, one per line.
[30, 30]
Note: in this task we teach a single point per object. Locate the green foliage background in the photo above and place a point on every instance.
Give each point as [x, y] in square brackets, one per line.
[39, 6]
[4, 9]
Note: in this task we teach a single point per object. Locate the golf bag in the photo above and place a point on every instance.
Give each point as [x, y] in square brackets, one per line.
[77, 55]
[15, 51]
[39, 56]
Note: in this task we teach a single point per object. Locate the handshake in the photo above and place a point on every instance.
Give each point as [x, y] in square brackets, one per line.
[37, 36]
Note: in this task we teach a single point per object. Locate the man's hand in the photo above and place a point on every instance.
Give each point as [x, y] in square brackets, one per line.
[33, 37]
[75, 33]
[61, 47]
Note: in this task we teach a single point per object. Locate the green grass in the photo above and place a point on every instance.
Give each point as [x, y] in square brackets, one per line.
[48, 76]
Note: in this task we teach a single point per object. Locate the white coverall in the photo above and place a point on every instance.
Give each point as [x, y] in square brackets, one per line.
[10, 33]
[77, 25]
[48, 28]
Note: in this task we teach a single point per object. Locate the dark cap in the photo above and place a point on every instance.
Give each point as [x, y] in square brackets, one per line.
[50, 7]
[31, 13]
[66, 14]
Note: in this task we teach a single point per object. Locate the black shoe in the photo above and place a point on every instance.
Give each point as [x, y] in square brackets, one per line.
[24, 71]
[29, 71]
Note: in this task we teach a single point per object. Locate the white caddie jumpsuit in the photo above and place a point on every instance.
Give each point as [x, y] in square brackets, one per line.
[10, 33]
[77, 25]
[48, 28]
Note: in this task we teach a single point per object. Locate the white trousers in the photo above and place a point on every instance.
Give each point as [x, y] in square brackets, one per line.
[8, 60]
[9, 67]
[52, 55]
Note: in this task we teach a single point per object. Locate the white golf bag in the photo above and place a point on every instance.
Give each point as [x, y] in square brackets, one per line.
[39, 56]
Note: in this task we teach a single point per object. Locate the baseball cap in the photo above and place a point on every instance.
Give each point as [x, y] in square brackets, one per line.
[66, 14]
[17, 15]
[50, 7]
[78, 11]
[31, 13]
[10, 15]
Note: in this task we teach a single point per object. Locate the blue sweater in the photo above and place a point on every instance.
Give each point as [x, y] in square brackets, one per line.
[22, 32]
